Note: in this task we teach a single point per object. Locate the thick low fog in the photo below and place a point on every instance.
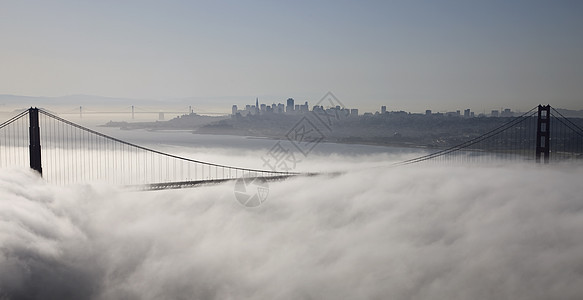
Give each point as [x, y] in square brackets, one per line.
[413, 232]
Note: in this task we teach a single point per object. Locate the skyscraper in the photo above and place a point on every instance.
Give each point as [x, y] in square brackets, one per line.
[290, 105]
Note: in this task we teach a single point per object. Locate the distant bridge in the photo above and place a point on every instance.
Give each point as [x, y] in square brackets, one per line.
[136, 110]
[64, 152]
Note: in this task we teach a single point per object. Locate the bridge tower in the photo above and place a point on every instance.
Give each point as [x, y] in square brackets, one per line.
[543, 135]
[34, 136]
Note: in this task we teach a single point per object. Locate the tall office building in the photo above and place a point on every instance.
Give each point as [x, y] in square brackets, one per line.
[290, 105]
[383, 109]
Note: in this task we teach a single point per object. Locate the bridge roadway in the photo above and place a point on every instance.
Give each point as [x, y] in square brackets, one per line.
[198, 183]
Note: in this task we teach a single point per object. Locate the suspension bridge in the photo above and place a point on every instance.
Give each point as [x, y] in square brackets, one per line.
[63, 152]
[541, 134]
[67, 153]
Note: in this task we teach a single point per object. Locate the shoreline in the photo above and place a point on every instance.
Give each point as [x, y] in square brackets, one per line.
[249, 135]
[365, 143]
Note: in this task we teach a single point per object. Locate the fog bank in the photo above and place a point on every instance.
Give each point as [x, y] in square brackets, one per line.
[416, 232]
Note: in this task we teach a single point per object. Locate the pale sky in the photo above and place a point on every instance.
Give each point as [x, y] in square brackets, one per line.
[408, 55]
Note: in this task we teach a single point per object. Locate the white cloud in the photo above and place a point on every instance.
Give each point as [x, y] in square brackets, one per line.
[415, 232]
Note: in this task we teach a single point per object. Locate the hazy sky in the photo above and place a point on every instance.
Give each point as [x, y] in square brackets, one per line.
[408, 55]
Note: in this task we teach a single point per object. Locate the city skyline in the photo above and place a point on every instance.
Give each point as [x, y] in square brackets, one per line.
[413, 55]
[290, 106]
[221, 107]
